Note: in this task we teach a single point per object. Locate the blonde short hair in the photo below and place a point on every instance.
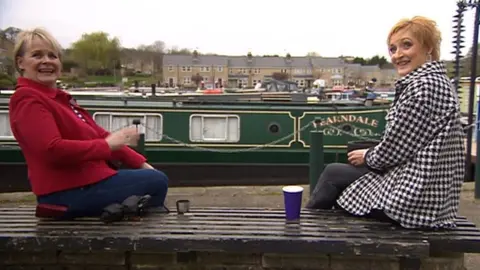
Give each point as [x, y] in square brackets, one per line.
[26, 37]
[423, 29]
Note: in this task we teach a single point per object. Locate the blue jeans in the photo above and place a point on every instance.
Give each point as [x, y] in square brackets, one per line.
[90, 200]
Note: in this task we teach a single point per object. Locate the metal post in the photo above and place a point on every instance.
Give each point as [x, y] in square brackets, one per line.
[477, 159]
[472, 96]
[141, 144]
[316, 157]
[458, 40]
[141, 140]
[154, 90]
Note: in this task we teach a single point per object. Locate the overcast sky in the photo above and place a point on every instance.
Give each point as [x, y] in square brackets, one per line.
[331, 28]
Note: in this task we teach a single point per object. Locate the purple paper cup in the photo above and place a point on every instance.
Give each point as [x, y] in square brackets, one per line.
[292, 196]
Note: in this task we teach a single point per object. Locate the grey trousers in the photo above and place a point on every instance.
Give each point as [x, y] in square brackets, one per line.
[335, 178]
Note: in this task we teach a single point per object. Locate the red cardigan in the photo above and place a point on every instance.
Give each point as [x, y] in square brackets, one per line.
[61, 151]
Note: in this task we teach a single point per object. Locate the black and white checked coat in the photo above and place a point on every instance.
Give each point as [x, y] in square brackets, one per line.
[418, 167]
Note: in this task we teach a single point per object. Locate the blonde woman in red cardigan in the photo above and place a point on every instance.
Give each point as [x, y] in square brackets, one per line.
[66, 152]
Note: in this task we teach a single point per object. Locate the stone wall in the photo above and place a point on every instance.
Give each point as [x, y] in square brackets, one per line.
[62, 260]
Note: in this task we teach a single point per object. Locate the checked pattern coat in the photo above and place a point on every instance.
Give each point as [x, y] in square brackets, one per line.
[417, 169]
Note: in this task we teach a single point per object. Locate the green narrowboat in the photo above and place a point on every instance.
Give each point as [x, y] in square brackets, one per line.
[229, 142]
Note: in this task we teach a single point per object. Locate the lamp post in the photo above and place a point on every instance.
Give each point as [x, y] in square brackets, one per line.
[458, 29]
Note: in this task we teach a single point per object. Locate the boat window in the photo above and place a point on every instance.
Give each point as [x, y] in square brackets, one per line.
[214, 128]
[5, 131]
[112, 121]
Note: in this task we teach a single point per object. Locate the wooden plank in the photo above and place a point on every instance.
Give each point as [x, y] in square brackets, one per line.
[260, 217]
[233, 230]
[174, 220]
[225, 211]
[252, 244]
[227, 220]
[238, 231]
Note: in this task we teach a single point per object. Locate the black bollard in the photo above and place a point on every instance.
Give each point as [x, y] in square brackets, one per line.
[316, 157]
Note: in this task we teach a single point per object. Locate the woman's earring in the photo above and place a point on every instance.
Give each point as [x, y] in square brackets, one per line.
[429, 57]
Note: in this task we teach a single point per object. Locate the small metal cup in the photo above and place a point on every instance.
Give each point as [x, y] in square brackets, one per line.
[183, 206]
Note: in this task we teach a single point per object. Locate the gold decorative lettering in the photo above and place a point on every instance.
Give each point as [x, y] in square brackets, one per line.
[360, 120]
[336, 119]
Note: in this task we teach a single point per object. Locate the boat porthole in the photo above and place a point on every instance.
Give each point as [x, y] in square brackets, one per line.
[347, 128]
[274, 128]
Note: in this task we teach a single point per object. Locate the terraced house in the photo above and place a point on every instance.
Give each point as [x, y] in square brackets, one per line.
[179, 69]
[248, 70]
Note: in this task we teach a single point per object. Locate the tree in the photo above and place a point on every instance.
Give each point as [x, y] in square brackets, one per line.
[178, 51]
[281, 76]
[317, 74]
[197, 79]
[7, 65]
[377, 60]
[356, 77]
[68, 65]
[312, 54]
[10, 33]
[467, 63]
[155, 52]
[157, 47]
[7, 40]
[143, 47]
[96, 51]
[359, 60]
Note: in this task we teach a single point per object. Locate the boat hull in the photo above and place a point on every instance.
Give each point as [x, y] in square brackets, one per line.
[196, 144]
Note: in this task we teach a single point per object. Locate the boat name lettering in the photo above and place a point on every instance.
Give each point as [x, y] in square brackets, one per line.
[335, 119]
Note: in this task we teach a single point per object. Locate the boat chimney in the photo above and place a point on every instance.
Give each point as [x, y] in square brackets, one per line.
[195, 56]
[154, 89]
[289, 58]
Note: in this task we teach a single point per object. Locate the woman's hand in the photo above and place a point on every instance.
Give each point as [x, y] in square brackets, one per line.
[125, 136]
[147, 166]
[357, 157]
